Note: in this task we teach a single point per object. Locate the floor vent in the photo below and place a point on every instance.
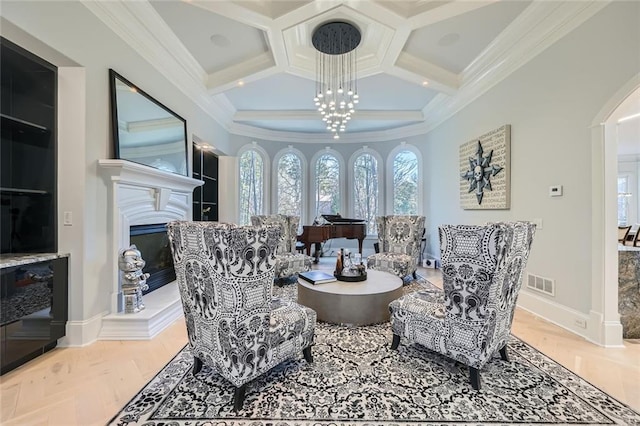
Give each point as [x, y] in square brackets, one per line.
[541, 284]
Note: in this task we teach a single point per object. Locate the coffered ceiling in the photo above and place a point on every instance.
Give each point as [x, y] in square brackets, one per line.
[251, 64]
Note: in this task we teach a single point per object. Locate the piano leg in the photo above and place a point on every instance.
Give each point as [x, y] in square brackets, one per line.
[316, 255]
[360, 241]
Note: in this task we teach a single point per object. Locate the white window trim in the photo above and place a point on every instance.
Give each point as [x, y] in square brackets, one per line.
[390, 190]
[266, 190]
[305, 169]
[381, 182]
[311, 192]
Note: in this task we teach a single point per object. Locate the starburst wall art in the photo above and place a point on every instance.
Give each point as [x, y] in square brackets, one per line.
[485, 171]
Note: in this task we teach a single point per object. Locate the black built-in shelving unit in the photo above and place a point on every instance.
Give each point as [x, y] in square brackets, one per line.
[205, 197]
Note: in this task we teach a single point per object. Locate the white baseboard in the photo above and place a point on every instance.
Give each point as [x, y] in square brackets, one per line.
[82, 333]
[558, 314]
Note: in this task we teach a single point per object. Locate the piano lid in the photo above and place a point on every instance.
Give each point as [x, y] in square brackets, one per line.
[336, 218]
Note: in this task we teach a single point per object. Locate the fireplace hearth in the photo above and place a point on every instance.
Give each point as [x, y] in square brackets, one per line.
[153, 243]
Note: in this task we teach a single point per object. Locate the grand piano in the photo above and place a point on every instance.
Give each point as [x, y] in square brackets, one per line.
[337, 227]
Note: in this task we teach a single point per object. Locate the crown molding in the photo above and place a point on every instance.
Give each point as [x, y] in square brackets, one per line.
[140, 25]
[537, 28]
[239, 129]
[534, 30]
[136, 23]
[260, 115]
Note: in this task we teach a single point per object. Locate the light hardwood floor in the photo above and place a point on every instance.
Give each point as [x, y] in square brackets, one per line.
[88, 386]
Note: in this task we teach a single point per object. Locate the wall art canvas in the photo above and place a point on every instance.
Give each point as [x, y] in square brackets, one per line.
[485, 171]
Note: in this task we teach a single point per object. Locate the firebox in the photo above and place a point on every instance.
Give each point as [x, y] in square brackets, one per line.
[153, 243]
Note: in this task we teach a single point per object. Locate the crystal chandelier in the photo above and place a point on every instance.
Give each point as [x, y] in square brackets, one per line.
[336, 80]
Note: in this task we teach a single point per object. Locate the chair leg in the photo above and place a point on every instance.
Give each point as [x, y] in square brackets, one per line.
[197, 365]
[307, 354]
[474, 374]
[396, 342]
[503, 353]
[238, 398]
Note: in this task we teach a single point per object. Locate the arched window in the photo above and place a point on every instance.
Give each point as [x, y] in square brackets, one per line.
[366, 181]
[289, 184]
[252, 184]
[406, 181]
[327, 184]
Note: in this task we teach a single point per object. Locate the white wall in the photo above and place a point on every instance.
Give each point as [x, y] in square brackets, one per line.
[550, 103]
[77, 38]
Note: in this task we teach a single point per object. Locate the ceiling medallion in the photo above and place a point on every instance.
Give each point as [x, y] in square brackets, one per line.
[336, 78]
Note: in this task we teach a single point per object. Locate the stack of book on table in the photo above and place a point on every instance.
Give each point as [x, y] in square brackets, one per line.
[317, 277]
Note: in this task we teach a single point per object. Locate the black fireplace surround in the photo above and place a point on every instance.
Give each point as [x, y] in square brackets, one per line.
[153, 243]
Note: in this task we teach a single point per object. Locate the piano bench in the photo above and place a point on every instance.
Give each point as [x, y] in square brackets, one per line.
[300, 246]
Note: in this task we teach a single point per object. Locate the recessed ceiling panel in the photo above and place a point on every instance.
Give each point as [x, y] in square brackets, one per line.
[214, 41]
[454, 43]
[386, 92]
[278, 92]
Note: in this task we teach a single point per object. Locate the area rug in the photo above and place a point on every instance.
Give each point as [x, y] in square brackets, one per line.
[356, 379]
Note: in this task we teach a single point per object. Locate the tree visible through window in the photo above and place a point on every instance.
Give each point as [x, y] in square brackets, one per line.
[251, 185]
[327, 194]
[365, 190]
[289, 185]
[405, 183]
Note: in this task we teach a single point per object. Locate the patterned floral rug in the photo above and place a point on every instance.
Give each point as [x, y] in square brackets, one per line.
[356, 379]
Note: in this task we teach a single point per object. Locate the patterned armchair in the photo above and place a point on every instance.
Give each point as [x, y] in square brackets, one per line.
[482, 269]
[225, 278]
[289, 261]
[399, 241]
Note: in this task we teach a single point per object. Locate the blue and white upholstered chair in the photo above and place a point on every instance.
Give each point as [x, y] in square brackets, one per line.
[225, 277]
[399, 239]
[290, 262]
[482, 268]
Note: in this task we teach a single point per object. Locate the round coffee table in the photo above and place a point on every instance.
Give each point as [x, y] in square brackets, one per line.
[359, 303]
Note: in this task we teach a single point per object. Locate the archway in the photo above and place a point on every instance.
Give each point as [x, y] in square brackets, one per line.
[606, 329]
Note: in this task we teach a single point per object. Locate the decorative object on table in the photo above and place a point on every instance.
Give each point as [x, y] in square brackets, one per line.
[236, 329]
[352, 276]
[351, 271]
[399, 240]
[134, 281]
[470, 320]
[485, 171]
[317, 277]
[339, 263]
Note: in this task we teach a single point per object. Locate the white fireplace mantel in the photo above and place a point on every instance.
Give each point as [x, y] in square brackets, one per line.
[141, 195]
